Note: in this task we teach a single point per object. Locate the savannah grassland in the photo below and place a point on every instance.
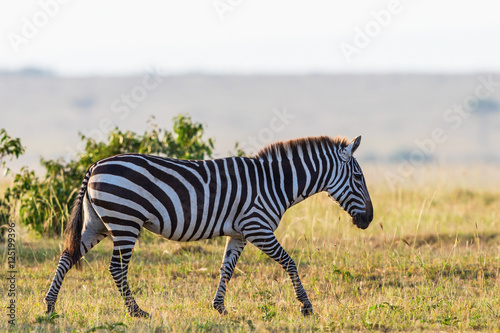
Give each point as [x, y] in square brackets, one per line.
[430, 261]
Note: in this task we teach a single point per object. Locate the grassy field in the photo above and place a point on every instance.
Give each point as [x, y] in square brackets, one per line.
[430, 261]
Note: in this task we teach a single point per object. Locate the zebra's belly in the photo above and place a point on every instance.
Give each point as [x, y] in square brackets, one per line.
[194, 230]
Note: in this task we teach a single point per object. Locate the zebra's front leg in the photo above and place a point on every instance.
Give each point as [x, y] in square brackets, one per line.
[234, 247]
[268, 244]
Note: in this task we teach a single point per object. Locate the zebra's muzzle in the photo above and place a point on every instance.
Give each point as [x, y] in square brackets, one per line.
[360, 221]
[363, 220]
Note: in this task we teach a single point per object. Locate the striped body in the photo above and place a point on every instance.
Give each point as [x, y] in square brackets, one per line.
[242, 198]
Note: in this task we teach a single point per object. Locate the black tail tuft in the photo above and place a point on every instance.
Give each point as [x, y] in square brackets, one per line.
[75, 223]
[74, 232]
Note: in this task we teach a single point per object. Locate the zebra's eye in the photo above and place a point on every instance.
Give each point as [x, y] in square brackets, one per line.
[357, 177]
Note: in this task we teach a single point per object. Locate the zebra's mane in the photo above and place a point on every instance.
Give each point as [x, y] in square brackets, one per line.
[284, 146]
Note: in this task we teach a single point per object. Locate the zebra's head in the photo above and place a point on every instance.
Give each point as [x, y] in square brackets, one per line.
[348, 186]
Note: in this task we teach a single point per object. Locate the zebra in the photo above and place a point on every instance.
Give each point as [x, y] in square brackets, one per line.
[242, 198]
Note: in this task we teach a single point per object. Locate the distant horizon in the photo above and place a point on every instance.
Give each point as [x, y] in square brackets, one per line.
[35, 71]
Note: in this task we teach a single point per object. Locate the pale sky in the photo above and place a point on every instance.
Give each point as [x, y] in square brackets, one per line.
[120, 37]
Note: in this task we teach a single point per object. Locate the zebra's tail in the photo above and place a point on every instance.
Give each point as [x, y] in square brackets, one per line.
[75, 224]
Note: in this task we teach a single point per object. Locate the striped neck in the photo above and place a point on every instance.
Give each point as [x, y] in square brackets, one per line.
[300, 168]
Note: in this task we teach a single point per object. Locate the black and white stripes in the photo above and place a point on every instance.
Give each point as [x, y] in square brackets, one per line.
[242, 198]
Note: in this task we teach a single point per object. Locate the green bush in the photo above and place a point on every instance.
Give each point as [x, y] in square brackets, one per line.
[44, 203]
[9, 148]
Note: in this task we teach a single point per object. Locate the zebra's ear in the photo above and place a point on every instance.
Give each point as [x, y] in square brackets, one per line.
[355, 143]
[351, 148]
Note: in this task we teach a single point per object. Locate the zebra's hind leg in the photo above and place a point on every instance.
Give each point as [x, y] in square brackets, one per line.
[65, 264]
[234, 247]
[122, 253]
[90, 238]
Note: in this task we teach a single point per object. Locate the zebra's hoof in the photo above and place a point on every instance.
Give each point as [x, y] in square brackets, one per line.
[221, 309]
[140, 314]
[307, 310]
[50, 307]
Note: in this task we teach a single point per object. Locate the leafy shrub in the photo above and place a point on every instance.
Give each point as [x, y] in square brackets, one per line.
[9, 148]
[44, 204]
